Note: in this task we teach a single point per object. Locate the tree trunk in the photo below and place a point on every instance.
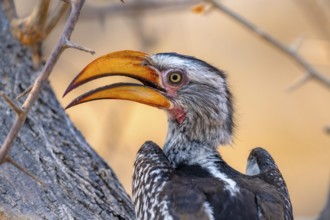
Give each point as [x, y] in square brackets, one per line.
[78, 184]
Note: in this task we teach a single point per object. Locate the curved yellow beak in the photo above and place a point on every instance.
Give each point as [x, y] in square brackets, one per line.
[125, 63]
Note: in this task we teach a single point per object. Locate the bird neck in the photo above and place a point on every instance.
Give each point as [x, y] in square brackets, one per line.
[181, 148]
[180, 152]
[196, 138]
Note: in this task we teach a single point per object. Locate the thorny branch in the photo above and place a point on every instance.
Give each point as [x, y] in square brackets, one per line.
[93, 11]
[63, 43]
[29, 30]
[33, 29]
[311, 72]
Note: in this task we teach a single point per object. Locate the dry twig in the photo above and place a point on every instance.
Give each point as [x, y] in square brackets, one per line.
[311, 72]
[26, 91]
[142, 6]
[10, 9]
[29, 30]
[55, 16]
[22, 169]
[23, 111]
[33, 29]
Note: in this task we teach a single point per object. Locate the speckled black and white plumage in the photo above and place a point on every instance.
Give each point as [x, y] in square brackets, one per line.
[262, 165]
[188, 178]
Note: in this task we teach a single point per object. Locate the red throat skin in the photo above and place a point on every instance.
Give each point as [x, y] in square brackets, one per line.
[178, 113]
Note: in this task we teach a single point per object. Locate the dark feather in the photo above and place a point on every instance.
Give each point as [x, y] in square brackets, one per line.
[189, 190]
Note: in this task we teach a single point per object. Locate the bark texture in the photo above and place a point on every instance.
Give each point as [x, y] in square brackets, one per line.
[78, 184]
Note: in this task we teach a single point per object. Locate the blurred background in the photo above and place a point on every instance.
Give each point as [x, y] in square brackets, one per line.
[290, 125]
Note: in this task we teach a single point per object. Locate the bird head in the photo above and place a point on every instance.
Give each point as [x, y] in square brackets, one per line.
[193, 93]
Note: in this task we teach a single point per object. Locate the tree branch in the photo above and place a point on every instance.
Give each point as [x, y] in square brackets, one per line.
[70, 44]
[39, 14]
[112, 9]
[22, 169]
[55, 16]
[10, 9]
[76, 6]
[26, 91]
[298, 82]
[292, 54]
[29, 30]
[12, 105]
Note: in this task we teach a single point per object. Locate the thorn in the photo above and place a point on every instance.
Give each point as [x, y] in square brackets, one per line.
[25, 171]
[298, 82]
[70, 44]
[122, 1]
[16, 108]
[24, 93]
[296, 45]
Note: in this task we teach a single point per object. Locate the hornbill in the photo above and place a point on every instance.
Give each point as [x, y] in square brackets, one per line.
[188, 179]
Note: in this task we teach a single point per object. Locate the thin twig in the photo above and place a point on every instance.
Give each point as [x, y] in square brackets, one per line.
[22, 169]
[298, 82]
[26, 91]
[324, 80]
[112, 9]
[76, 6]
[70, 44]
[15, 107]
[296, 45]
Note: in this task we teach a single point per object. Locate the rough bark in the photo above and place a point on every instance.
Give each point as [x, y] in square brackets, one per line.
[78, 184]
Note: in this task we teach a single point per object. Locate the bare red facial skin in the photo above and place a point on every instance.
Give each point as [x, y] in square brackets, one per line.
[171, 91]
[178, 113]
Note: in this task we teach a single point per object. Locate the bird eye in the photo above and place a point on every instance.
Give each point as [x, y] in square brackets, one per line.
[175, 77]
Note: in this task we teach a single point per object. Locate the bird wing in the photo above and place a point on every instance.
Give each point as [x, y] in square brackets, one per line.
[190, 192]
[262, 166]
[160, 191]
[194, 194]
[268, 207]
[185, 201]
[207, 198]
[152, 171]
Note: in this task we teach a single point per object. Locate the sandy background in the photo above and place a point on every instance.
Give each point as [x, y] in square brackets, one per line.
[288, 124]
